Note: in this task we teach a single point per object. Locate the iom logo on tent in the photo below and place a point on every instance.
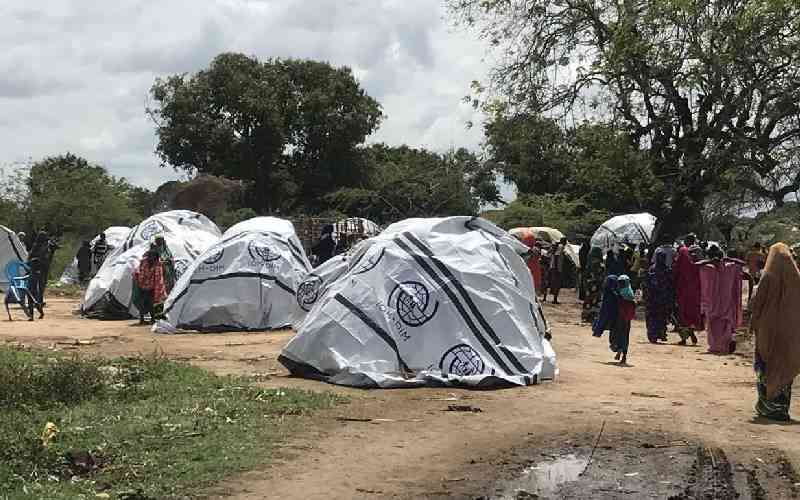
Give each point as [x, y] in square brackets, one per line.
[462, 361]
[308, 292]
[369, 262]
[151, 229]
[214, 257]
[412, 302]
[181, 265]
[261, 252]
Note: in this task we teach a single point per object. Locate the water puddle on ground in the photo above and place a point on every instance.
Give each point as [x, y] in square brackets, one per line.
[543, 479]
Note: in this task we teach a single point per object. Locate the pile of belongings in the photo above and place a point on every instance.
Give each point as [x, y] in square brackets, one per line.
[441, 302]
[187, 234]
[248, 281]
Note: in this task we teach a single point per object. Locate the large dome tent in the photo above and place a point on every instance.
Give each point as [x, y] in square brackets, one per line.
[631, 229]
[245, 282]
[11, 249]
[115, 237]
[187, 234]
[433, 302]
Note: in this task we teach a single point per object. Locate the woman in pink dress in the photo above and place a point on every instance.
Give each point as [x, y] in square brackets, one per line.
[721, 300]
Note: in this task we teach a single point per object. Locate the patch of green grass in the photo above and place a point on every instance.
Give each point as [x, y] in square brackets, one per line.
[134, 429]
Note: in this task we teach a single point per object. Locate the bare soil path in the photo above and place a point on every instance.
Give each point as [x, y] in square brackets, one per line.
[677, 422]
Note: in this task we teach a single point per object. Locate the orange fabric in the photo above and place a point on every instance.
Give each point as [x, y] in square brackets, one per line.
[776, 318]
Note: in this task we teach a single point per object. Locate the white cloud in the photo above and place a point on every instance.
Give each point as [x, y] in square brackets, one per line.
[76, 74]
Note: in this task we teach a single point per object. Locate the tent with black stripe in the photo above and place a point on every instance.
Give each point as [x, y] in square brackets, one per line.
[428, 302]
[11, 249]
[246, 282]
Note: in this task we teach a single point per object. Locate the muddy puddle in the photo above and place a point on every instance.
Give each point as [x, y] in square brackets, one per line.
[543, 480]
[660, 467]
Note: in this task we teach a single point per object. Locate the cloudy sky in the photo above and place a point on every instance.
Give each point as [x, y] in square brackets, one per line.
[75, 74]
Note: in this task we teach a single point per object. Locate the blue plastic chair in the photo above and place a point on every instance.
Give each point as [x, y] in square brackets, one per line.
[18, 276]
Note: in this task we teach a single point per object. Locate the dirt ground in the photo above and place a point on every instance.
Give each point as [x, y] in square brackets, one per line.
[676, 423]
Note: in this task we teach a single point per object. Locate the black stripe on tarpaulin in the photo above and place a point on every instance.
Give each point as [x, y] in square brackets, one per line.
[487, 346]
[14, 247]
[298, 254]
[200, 281]
[383, 334]
[468, 299]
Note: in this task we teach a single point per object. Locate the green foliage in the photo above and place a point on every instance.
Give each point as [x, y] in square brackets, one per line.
[704, 88]
[610, 173]
[778, 225]
[405, 182]
[231, 217]
[68, 195]
[150, 426]
[595, 162]
[574, 218]
[530, 151]
[290, 127]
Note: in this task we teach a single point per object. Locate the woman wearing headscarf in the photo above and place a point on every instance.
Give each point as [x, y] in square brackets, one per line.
[593, 285]
[776, 324]
[659, 297]
[609, 308]
[149, 290]
[619, 340]
[686, 277]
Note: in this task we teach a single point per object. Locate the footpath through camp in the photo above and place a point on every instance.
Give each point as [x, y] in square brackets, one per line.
[675, 423]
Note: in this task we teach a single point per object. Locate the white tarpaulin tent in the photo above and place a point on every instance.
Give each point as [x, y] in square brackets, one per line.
[115, 236]
[631, 229]
[188, 234]
[428, 301]
[11, 249]
[245, 282]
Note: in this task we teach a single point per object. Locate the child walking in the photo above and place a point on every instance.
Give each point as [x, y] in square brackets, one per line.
[616, 313]
[619, 340]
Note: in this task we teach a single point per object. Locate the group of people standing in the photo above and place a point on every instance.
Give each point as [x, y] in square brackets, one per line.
[696, 287]
[546, 265]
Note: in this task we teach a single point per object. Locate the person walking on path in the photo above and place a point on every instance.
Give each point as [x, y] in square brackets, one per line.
[619, 338]
[776, 325]
[593, 283]
[686, 278]
[555, 269]
[609, 308]
[659, 297]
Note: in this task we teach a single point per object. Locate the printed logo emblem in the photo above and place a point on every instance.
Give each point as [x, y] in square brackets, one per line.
[369, 262]
[308, 292]
[151, 229]
[181, 265]
[260, 251]
[412, 301]
[215, 257]
[462, 361]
